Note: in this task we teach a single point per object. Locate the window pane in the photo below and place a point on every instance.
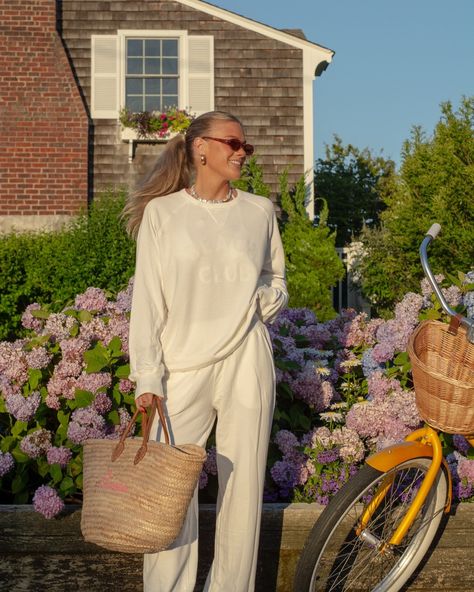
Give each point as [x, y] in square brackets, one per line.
[134, 47]
[170, 47]
[152, 66]
[152, 104]
[134, 104]
[170, 101]
[170, 66]
[153, 86]
[170, 86]
[152, 47]
[134, 66]
[134, 86]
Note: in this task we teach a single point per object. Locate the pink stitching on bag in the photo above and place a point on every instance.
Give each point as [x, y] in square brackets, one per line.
[107, 483]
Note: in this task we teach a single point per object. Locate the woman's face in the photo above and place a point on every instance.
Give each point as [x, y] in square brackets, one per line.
[221, 160]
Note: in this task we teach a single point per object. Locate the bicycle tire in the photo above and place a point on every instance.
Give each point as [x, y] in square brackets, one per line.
[336, 558]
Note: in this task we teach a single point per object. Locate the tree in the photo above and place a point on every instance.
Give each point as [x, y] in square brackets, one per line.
[312, 263]
[435, 184]
[351, 181]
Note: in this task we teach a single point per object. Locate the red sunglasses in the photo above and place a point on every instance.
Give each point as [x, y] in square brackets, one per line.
[235, 144]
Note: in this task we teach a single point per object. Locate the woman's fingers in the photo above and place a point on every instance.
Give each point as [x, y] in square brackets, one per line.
[144, 401]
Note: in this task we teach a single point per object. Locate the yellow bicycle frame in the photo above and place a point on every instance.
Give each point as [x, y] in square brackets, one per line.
[424, 442]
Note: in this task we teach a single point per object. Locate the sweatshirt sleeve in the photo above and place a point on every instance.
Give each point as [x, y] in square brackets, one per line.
[272, 294]
[148, 313]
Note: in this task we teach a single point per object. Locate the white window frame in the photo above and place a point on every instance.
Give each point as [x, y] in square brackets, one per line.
[183, 73]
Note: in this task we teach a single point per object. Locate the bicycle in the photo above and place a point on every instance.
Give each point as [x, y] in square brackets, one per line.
[377, 529]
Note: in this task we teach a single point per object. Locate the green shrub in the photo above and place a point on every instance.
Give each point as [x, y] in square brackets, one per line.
[52, 267]
[312, 264]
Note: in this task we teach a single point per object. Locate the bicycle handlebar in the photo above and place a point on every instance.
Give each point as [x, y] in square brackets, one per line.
[430, 236]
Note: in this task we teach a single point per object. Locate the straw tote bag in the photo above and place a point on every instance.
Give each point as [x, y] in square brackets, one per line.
[136, 491]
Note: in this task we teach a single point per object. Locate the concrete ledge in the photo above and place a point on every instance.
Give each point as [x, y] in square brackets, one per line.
[39, 555]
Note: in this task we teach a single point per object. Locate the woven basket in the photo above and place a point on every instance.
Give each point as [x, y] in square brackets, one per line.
[137, 492]
[443, 374]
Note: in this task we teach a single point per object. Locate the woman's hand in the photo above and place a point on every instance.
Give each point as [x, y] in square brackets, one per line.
[144, 401]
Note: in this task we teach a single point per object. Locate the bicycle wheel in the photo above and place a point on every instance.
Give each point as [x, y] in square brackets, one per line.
[337, 558]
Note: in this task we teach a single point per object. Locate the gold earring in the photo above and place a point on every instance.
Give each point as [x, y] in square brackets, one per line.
[203, 159]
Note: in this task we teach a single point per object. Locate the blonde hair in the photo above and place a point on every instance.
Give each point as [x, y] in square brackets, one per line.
[173, 169]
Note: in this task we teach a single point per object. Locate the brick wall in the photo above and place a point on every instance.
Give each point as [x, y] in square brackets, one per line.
[256, 78]
[43, 122]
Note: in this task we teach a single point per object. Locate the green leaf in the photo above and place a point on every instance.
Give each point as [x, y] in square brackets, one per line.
[83, 398]
[63, 418]
[96, 359]
[18, 428]
[35, 377]
[84, 316]
[401, 358]
[67, 485]
[20, 456]
[21, 498]
[6, 443]
[305, 422]
[79, 481]
[61, 434]
[115, 345]
[43, 467]
[114, 417]
[123, 371]
[56, 473]
[19, 482]
[117, 395]
[40, 314]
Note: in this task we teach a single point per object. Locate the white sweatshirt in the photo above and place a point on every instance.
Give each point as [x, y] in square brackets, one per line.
[204, 273]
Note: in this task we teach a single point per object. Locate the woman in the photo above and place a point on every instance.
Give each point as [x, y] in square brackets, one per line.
[209, 273]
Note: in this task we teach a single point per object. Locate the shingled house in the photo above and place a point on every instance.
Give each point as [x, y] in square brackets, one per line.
[71, 66]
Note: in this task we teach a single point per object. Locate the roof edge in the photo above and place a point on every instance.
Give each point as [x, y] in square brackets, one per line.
[243, 21]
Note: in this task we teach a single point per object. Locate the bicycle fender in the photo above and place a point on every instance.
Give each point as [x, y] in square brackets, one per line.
[390, 457]
[394, 455]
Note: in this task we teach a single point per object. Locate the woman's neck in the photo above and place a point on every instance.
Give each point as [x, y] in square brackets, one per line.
[211, 189]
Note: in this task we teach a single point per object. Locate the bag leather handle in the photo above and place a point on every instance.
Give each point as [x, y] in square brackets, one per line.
[147, 422]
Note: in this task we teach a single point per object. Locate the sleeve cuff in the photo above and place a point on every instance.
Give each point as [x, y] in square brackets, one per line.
[149, 384]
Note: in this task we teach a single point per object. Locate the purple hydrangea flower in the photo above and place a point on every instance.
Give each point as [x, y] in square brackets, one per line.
[61, 455]
[46, 501]
[85, 423]
[7, 462]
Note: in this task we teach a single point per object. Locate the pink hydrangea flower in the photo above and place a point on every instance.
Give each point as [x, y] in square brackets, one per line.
[36, 443]
[29, 321]
[93, 299]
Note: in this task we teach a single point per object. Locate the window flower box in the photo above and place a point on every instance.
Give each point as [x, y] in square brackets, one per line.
[152, 126]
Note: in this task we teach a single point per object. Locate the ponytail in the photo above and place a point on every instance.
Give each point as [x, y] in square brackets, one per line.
[170, 173]
[173, 169]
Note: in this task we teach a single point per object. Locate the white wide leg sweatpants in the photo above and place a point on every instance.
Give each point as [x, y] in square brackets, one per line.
[240, 391]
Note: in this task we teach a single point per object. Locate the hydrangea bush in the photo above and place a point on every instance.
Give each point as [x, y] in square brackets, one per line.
[344, 391]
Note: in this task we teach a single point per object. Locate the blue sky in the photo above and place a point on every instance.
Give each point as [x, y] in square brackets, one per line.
[395, 62]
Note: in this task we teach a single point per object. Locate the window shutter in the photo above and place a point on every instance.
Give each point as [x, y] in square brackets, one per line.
[201, 73]
[104, 77]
